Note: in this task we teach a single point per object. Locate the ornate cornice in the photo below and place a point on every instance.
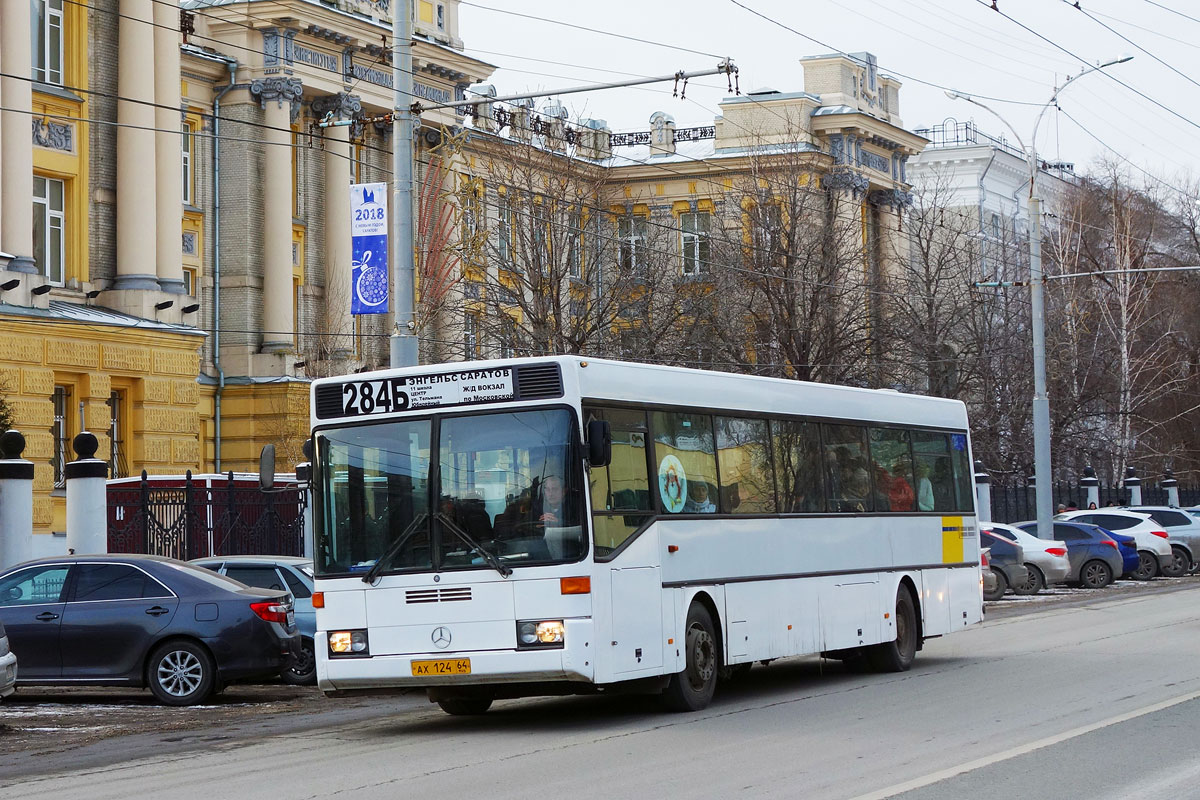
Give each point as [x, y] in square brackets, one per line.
[342, 105]
[280, 90]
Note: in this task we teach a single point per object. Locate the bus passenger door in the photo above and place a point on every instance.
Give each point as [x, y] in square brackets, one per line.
[637, 635]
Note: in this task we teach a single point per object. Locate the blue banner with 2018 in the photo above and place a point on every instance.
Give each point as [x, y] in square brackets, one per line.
[369, 244]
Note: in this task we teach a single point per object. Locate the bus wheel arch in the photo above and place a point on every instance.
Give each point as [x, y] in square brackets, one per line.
[898, 654]
[908, 582]
[692, 688]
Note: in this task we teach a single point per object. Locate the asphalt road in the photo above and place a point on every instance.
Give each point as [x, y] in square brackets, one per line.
[1079, 695]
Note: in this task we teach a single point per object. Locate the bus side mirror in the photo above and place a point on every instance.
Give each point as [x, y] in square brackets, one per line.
[599, 442]
[266, 467]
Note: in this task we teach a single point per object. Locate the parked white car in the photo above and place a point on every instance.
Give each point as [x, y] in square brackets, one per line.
[1184, 529]
[1046, 560]
[1153, 541]
[8, 665]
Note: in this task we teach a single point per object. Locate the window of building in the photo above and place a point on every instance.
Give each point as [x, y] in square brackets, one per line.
[471, 348]
[441, 17]
[117, 466]
[49, 222]
[60, 431]
[575, 244]
[47, 41]
[508, 336]
[631, 231]
[694, 235]
[504, 230]
[189, 281]
[187, 140]
[768, 232]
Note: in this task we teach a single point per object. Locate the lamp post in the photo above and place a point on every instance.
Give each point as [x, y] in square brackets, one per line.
[1041, 402]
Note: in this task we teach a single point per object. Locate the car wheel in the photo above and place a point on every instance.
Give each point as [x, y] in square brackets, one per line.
[181, 673]
[898, 654]
[1181, 563]
[1033, 583]
[465, 706]
[693, 688]
[302, 668]
[1095, 575]
[1001, 585]
[1147, 566]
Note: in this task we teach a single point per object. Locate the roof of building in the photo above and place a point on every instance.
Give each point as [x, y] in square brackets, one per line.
[62, 311]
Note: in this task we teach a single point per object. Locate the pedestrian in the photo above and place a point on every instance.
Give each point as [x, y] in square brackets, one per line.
[1072, 507]
[1061, 508]
[1091, 506]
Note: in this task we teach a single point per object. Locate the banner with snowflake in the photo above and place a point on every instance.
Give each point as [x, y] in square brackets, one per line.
[369, 244]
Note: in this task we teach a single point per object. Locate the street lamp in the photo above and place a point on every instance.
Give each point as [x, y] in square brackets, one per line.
[1041, 402]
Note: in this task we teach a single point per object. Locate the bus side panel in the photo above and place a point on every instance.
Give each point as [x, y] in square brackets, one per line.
[850, 612]
[627, 612]
[935, 601]
[757, 617]
[966, 598]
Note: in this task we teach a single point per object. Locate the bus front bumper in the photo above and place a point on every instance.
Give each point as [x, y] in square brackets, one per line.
[574, 662]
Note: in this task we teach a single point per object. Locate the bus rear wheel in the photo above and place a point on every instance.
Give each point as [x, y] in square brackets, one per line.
[693, 688]
[898, 654]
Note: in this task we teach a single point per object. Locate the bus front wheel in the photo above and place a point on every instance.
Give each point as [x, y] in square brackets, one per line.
[898, 654]
[692, 689]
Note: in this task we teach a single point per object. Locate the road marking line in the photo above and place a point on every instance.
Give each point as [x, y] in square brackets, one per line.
[969, 766]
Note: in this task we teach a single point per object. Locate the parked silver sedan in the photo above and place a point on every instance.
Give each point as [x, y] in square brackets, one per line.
[8, 665]
[1045, 560]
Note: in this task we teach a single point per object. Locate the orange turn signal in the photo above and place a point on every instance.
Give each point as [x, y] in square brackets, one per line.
[575, 585]
[672, 548]
[318, 599]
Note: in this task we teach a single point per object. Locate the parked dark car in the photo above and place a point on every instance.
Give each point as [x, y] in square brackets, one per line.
[1006, 560]
[1128, 547]
[136, 620]
[285, 574]
[1095, 556]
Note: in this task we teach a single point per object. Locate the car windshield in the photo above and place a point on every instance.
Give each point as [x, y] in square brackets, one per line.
[471, 492]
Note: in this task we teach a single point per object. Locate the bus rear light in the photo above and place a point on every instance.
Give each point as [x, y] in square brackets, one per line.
[580, 585]
[318, 599]
[1056, 551]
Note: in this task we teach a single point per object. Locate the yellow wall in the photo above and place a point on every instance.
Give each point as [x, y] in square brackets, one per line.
[156, 370]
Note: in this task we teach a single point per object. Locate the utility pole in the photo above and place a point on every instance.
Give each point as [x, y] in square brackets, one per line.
[403, 342]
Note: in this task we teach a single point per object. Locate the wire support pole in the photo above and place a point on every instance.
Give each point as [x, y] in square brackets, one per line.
[403, 348]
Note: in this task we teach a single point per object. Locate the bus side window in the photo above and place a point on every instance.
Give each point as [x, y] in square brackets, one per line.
[620, 491]
[846, 462]
[685, 457]
[744, 455]
[798, 466]
[934, 471]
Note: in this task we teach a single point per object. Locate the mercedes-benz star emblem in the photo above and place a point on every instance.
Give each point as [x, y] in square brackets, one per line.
[441, 637]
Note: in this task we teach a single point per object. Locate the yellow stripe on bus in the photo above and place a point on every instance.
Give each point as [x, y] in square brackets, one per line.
[952, 540]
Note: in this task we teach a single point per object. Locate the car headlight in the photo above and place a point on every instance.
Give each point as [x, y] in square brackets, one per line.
[540, 633]
[348, 643]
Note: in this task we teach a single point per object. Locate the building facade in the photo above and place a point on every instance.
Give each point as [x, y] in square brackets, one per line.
[184, 268]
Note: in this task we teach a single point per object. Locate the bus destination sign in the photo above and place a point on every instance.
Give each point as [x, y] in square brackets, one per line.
[388, 395]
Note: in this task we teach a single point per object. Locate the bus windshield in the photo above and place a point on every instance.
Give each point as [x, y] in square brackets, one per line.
[470, 492]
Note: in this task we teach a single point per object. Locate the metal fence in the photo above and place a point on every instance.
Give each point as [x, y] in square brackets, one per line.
[209, 518]
[1017, 503]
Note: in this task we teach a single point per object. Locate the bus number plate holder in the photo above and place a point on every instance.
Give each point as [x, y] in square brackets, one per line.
[442, 666]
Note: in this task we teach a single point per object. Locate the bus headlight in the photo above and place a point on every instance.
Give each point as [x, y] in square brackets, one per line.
[544, 633]
[348, 643]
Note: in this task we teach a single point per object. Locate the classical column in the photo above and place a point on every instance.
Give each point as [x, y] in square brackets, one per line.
[136, 189]
[16, 145]
[168, 158]
[280, 98]
[337, 220]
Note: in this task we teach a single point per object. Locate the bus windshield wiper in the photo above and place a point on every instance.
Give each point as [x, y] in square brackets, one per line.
[394, 548]
[495, 563]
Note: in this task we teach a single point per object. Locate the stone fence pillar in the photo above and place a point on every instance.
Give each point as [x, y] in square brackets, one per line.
[87, 509]
[1134, 484]
[16, 501]
[1091, 484]
[1172, 486]
[983, 493]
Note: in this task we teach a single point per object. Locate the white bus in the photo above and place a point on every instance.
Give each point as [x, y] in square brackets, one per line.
[564, 525]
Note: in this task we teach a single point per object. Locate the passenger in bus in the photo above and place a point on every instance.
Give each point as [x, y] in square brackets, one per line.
[698, 501]
[899, 490]
[924, 488]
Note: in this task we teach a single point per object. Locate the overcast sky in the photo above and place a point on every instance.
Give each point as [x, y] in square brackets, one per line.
[962, 44]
